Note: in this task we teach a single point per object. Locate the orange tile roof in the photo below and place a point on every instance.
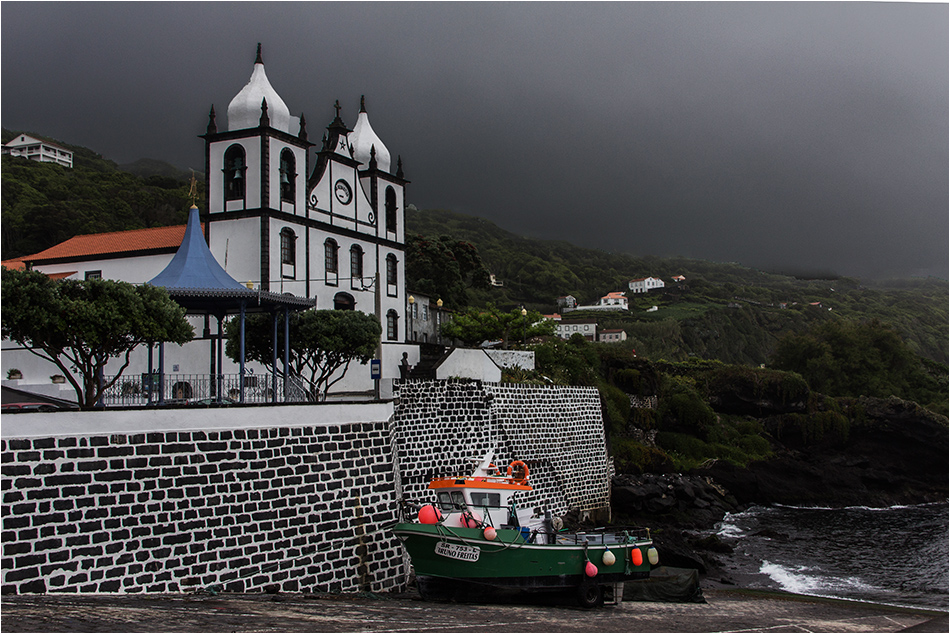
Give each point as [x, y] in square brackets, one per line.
[112, 243]
[60, 276]
[16, 264]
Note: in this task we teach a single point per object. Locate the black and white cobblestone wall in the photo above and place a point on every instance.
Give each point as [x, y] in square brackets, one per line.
[295, 504]
[297, 498]
[446, 427]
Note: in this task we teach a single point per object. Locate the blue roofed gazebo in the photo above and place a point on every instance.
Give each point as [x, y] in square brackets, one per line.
[196, 281]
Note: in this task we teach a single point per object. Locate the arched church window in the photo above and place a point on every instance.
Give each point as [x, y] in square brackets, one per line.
[392, 278]
[331, 249]
[343, 301]
[392, 325]
[288, 246]
[391, 209]
[356, 266]
[288, 176]
[235, 168]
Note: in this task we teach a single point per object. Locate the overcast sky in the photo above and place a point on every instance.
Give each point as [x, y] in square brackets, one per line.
[786, 137]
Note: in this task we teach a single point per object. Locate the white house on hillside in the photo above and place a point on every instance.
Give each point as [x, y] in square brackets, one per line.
[584, 327]
[615, 335]
[645, 284]
[29, 147]
[614, 300]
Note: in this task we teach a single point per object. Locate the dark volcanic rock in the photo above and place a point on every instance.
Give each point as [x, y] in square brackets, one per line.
[899, 455]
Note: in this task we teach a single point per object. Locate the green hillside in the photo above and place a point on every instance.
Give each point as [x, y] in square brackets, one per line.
[44, 204]
[723, 311]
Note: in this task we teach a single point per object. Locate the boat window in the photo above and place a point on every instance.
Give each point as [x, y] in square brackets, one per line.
[486, 499]
[458, 499]
[445, 501]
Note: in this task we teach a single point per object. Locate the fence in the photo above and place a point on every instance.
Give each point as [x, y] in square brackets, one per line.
[174, 389]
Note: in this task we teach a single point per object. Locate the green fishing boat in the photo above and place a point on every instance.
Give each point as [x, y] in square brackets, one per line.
[474, 541]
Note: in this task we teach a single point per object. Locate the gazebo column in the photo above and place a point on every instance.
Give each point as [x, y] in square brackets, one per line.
[241, 378]
[273, 378]
[286, 353]
[151, 388]
[161, 373]
[212, 372]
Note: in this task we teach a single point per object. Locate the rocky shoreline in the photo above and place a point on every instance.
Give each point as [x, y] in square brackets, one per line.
[898, 456]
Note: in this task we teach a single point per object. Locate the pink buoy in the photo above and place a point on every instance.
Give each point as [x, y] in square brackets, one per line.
[489, 533]
[470, 519]
[428, 514]
[636, 556]
[590, 570]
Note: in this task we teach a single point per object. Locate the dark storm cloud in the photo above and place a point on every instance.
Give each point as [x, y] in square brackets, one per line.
[783, 136]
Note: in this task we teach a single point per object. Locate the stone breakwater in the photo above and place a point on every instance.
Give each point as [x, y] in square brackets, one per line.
[445, 428]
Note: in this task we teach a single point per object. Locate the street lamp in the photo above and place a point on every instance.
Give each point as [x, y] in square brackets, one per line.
[409, 324]
[524, 319]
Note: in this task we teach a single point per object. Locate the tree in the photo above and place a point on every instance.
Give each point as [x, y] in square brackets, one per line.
[80, 325]
[846, 358]
[444, 268]
[474, 326]
[322, 342]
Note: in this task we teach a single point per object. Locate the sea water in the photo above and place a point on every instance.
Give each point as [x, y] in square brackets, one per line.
[896, 555]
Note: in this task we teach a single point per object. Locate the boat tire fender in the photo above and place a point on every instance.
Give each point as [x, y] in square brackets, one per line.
[590, 594]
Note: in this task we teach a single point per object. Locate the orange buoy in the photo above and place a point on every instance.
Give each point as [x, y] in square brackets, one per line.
[636, 556]
[489, 533]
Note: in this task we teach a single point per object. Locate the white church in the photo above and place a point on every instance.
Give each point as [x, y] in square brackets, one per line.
[325, 224]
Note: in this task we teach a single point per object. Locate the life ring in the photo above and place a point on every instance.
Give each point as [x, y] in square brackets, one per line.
[522, 478]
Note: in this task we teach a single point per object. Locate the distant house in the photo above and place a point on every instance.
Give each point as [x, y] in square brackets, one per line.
[29, 147]
[566, 303]
[614, 300]
[645, 284]
[584, 327]
[424, 317]
[679, 278]
[613, 335]
[495, 281]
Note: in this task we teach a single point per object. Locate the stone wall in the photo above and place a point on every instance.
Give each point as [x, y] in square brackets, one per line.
[297, 498]
[445, 428]
[292, 505]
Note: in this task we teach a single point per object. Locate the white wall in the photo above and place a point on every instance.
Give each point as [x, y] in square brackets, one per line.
[44, 425]
[465, 363]
[523, 359]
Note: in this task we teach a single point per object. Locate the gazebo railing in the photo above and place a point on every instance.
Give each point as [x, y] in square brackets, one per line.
[143, 389]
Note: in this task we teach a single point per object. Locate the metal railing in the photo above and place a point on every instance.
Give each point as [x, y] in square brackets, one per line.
[200, 389]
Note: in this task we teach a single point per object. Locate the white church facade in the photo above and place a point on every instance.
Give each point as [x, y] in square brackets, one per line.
[285, 215]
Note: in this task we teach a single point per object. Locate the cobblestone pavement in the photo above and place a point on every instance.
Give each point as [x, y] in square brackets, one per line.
[726, 610]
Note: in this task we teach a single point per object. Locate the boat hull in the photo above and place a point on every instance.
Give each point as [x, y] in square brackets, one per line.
[510, 562]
